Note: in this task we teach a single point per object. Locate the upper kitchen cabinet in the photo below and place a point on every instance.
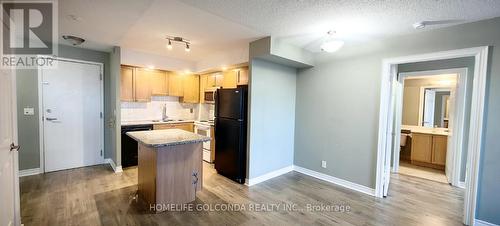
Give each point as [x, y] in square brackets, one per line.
[235, 77]
[135, 85]
[175, 85]
[142, 85]
[229, 79]
[214, 80]
[127, 84]
[242, 78]
[159, 82]
[191, 85]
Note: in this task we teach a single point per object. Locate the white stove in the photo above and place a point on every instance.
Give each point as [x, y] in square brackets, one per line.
[204, 128]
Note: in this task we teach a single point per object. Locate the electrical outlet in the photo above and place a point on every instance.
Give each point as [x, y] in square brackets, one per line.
[323, 164]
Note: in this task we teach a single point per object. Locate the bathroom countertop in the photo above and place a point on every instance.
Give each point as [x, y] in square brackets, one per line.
[432, 131]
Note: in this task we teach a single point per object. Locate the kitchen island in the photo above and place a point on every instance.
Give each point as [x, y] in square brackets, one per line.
[169, 166]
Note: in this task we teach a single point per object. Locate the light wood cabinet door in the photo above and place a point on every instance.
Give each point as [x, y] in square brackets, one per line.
[127, 84]
[421, 147]
[214, 79]
[184, 126]
[439, 148]
[242, 78]
[158, 82]
[142, 85]
[203, 86]
[175, 85]
[230, 79]
[191, 89]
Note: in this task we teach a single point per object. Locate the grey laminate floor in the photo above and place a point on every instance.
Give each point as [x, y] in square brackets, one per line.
[97, 196]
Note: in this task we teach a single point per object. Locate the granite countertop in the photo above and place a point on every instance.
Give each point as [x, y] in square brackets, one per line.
[154, 122]
[432, 131]
[168, 137]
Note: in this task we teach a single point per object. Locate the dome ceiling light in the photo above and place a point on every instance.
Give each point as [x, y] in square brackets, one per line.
[331, 43]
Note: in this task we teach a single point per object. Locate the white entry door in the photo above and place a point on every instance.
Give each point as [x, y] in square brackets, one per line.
[9, 183]
[72, 118]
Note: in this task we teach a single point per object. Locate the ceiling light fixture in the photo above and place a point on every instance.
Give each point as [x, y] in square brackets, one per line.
[169, 45]
[180, 40]
[419, 25]
[331, 44]
[75, 41]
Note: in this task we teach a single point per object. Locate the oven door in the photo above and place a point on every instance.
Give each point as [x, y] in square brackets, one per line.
[204, 131]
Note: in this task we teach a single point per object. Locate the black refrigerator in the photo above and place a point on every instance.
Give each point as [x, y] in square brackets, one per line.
[231, 132]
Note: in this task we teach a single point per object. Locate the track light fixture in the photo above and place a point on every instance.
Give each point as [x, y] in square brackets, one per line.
[169, 45]
[180, 40]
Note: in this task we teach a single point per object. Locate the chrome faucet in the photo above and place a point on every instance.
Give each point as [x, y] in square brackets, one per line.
[164, 116]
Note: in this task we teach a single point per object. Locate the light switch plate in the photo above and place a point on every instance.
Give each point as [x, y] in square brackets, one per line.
[323, 164]
[29, 111]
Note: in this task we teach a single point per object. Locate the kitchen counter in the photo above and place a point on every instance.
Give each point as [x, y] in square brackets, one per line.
[154, 122]
[426, 130]
[170, 137]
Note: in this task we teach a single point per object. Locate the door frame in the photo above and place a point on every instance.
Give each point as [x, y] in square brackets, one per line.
[458, 118]
[40, 106]
[480, 55]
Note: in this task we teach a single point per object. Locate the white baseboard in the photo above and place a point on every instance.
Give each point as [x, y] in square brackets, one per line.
[267, 176]
[483, 223]
[117, 169]
[321, 176]
[29, 172]
[337, 181]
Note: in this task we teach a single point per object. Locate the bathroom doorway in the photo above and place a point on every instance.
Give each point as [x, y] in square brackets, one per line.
[430, 113]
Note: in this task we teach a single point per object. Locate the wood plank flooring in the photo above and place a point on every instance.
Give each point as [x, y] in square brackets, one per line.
[97, 196]
[423, 172]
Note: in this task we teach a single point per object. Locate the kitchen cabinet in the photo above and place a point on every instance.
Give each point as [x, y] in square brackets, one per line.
[214, 80]
[203, 86]
[184, 126]
[230, 78]
[175, 85]
[139, 84]
[158, 82]
[142, 85]
[127, 84]
[191, 88]
[235, 77]
[429, 150]
[242, 78]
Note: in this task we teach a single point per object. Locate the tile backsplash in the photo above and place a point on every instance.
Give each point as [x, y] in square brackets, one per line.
[135, 111]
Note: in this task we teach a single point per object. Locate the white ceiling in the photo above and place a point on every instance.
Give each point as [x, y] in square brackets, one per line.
[220, 25]
[143, 26]
[305, 22]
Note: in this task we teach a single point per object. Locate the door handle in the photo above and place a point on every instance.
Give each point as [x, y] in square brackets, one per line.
[14, 147]
[52, 120]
